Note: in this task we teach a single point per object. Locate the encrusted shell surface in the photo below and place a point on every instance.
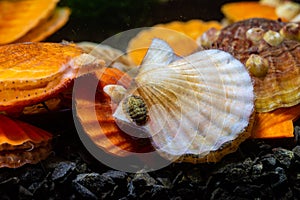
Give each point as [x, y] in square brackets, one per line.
[279, 87]
[37, 71]
[197, 104]
[22, 143]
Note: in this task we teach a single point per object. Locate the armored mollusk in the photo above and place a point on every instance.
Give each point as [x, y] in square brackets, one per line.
[198, 106]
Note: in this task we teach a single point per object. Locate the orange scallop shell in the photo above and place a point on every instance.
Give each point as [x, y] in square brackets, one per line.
[110, 138]
[37, 71]
[47, 27]
[18, 17]
[22, 143]
[181, 36]
[237, 11]
[277, 123]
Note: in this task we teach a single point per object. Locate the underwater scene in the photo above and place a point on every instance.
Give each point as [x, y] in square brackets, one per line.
[149, 99]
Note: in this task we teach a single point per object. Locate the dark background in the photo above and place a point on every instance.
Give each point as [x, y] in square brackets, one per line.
[96, 20]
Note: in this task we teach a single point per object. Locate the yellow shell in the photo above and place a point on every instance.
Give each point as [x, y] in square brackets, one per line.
[37, 71]
[18, 17]
[196, 104]
[47, 27]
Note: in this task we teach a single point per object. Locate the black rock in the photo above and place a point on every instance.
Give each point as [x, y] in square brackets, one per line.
[284, 156]
[143, 179]
[93, 185]
[84, 193]
[296, 151]
[42, 189]
[31, 175]
[141, 186]
[62, 171]
[280, 182]
[159, 192]
[165, 182]
[116, 176]
[181, 180]
[248, 191]
[220, 193]
[11, 180]
[194, 175]
[268, 161]
[186, 193]
[120, 181]
[24, 193]
[257, 169]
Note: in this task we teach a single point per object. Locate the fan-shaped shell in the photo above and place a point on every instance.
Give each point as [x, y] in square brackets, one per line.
[22, 143]
[196, 104]
[182, 44]
[37, 71]
[279, 85]
[47, 27]
[18, 17]
[109, 137]
[180, 35]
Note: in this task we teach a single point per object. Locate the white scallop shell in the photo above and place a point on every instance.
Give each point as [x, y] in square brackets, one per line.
[196, 104]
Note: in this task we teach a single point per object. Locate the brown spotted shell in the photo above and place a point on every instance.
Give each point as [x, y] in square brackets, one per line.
[279, 84]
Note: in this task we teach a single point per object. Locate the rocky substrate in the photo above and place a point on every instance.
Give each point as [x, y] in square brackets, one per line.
[259, 169]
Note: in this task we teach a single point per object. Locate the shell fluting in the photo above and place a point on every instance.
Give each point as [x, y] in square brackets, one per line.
[22, 143]
[100, 126]
[195, 104]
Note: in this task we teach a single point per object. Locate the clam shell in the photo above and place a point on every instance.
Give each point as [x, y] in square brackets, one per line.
[22, 143]
[279, 87]
[37, 71]
[109, 137]
[196, 104]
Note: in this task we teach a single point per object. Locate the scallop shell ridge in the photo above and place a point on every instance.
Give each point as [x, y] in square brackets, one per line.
[196, 104]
